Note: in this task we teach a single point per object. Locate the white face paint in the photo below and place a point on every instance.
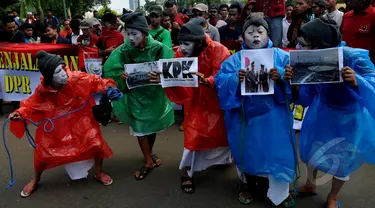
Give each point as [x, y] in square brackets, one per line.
[135, 36]
[187, 48]
[256, 37]
[59, 77]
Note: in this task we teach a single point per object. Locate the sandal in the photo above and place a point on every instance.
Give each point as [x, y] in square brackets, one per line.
[187, 186]
[305, 193]
[289, 202]
[106, 180]
[26, 192]
[155, 158]
[244, 196]
[337, 203]
[143, 171]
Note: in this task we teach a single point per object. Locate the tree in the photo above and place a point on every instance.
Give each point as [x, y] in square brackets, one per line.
[149, 4]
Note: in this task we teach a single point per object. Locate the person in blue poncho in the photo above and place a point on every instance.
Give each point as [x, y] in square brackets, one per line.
[337, 134]
[259, 127]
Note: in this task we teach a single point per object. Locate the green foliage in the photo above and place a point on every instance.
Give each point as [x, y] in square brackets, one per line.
[101, 12]
[148, 4]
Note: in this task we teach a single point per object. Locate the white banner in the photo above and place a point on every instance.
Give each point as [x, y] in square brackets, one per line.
[177, 72]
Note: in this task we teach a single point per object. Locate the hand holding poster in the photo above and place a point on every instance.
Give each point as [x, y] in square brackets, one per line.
[177, 72]
[138, 74]
[316, 66]
[257, 64]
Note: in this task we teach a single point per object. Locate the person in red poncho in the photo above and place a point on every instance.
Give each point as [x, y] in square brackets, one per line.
[205, 138]
[77, 136]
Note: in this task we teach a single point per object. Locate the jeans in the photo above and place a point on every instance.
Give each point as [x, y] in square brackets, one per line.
[275, 25]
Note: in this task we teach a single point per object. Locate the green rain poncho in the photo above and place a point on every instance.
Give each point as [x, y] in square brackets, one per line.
[145, 109]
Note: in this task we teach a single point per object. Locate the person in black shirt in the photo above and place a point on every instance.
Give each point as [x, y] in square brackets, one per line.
[230, 34]
[10, 32]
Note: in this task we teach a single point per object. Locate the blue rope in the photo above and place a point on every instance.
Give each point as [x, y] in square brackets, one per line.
[112, 94]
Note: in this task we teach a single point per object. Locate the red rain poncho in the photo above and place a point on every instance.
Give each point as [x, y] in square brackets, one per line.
[77, 136]
[204, 126]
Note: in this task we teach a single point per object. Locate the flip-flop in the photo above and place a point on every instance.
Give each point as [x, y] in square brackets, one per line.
[105, 180]
[29, 191]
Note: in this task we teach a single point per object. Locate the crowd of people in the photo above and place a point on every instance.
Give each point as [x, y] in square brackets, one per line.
[220, 126]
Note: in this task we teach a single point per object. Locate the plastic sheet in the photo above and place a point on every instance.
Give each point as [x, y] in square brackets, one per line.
[145, 109]
[337, 134]
[204, 126]
[76, 137]
[259, 132]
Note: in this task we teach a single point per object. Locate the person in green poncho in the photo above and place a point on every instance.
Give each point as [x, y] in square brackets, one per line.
[155, 29]
[145, 109]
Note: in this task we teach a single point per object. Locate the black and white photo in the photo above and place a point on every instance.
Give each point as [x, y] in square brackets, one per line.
[316, 66]
[257, 64]
[178, 72]
[138, 74]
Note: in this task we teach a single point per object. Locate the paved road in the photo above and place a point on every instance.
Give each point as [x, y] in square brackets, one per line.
[216, 187]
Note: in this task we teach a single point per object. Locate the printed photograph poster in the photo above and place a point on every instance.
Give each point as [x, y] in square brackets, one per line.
[138, 74]
[257, 63]
[94, 66]
[316, 66]
[177, 72]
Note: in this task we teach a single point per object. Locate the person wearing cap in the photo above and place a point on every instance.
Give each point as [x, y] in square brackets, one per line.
[60, 91]
[179, 18]
[201, 10]
[146, 109]
[155, 29]
[319, 7]
[337, 134]
[205, 141]
[29, 18]
[110, 38]
[258, 127]
[87, 38]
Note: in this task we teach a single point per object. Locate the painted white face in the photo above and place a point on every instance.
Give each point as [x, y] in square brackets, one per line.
[303, 44]
[256, 37]
[135, 36]
[187, 48]
[59, 76]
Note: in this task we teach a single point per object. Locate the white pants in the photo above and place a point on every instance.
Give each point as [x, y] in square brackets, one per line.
[201, 160]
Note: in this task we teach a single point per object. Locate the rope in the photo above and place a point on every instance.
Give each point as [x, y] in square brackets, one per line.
[112, 94]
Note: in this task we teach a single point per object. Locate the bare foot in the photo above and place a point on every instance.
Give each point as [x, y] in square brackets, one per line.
[307, 188]
[331, 202]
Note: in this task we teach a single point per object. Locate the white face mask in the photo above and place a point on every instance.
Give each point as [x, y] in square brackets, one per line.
[256, 37]
[187, 48]
[135, 36]
[59, 76]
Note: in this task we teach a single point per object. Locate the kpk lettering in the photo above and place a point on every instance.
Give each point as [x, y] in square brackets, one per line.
[174, 69]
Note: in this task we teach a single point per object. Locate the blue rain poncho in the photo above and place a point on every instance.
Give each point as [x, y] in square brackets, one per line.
[259, 127]
[338, 132]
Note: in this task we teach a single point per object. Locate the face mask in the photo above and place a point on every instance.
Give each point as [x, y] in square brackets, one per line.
[135, 36]
[187, 48]
[59, 76]
[256, 37]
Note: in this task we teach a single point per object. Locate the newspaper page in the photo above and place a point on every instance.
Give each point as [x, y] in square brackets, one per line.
[138, 74]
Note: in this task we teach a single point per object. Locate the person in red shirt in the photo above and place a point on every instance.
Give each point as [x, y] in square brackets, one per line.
[179, 19]
[358, 27]
[88, 38]
[110, 38]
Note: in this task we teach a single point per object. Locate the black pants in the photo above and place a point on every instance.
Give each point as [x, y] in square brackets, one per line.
[258, 186]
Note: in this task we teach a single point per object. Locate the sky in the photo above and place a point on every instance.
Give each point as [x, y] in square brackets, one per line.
[119, 4]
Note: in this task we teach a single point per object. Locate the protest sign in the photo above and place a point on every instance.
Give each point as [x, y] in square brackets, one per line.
[177, 72]
[257, 63]
[19, 73]
[138, 74]
[316, 66]
[93, 64]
